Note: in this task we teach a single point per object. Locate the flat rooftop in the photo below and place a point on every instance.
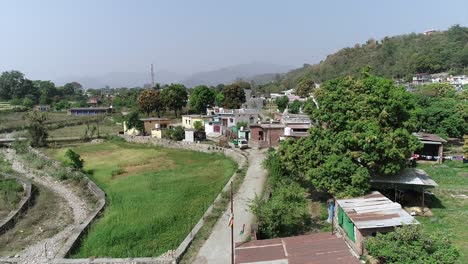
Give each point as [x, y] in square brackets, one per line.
[321, 248]
[375, 211]
[155, 119]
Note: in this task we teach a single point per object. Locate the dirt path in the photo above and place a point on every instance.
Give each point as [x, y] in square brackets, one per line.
[217, 248]
[48, 248]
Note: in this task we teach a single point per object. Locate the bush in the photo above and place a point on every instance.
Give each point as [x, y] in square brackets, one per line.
[20, 147]
[74, 159]
[177, 133]
[285, 214]
[62, 174]
[116, 172]
[409, 244]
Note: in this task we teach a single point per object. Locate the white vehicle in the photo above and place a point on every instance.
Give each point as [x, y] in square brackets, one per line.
[243, 144]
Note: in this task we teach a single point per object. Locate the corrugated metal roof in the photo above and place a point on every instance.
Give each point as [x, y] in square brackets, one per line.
[375, 211]
[313, 249]
[429, 137]
[408, 176]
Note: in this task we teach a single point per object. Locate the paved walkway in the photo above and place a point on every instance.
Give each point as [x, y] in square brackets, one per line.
[217, 249]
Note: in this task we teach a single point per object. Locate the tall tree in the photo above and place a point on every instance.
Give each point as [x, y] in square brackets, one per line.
[13, 85]
[234, 96]
[305, 87]
[363, 128]
[72, 88]
[175, 97]
[282, 102]
[149, 101]
[200, 98]
[47, 91]
[37, 128]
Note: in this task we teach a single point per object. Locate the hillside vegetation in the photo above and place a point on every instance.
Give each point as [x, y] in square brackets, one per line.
[393, 57]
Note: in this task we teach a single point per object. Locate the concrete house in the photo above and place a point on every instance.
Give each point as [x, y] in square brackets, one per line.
[265, 135]
[188, 121]
[154, 126]
[357, 218]
[42, 108]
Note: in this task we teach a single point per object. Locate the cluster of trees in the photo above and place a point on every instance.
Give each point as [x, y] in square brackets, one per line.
[283, 101]
[397, 57]
[175, 96]
[409, 244]
[18, 90]
[440, 110]
[363, 127]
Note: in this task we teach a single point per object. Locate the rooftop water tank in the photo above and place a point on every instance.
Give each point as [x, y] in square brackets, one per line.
[287, 131]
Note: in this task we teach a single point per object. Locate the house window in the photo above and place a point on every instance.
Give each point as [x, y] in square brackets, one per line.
[231, 120]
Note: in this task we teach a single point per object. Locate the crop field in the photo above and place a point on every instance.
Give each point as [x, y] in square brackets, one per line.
[449, 206]
[154, 196]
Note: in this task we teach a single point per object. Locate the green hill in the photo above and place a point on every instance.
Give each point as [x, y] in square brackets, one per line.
[394, 57]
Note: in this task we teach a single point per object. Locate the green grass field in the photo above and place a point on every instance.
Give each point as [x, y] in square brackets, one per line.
[10, 195]
[79, 130]
[154, 196]
[450, 212]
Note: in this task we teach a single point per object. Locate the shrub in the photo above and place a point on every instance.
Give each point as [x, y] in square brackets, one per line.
[285, 213]
[409, 244]
[75, 160]
[20, 147]
[61, 174]
[199, 126]
[118, 171]
[177, 133]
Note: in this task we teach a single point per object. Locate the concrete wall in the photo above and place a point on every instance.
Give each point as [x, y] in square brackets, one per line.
[23, 205]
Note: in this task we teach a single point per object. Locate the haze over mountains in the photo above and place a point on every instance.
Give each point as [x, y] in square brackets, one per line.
[262, 70]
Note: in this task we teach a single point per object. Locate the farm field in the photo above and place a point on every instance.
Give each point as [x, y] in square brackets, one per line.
[154, 195]
[449, 209]
[79, 130]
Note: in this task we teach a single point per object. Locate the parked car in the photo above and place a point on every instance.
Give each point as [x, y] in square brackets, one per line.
[243, 144]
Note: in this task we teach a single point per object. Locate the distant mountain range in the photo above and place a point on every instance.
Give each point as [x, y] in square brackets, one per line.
[229, 74]
[259, 72]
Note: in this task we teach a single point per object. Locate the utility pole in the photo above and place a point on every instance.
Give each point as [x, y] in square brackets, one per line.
[152, 76]
[232, 227]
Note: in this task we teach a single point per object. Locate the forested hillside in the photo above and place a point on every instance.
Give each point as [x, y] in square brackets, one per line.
[393, 57]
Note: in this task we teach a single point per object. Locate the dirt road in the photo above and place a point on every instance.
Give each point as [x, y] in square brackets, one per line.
[217, 249]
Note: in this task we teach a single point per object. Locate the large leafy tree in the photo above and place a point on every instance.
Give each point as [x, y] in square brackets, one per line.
[149, 101]
[234, 95]
[200, 98]
[363, 129]
[47, 91]
[13, 85]
[305, 87]
[282, 102]
[175, 97]
[72, 88]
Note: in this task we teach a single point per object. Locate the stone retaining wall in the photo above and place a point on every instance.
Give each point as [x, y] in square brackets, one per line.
[23, 205]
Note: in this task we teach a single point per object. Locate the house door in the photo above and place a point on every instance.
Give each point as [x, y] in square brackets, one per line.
[217, 129]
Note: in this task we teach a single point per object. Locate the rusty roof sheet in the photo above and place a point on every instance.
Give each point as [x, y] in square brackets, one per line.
[313, 249]
[375, 211]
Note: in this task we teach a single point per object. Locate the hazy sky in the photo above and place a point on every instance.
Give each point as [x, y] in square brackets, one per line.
[47, 39]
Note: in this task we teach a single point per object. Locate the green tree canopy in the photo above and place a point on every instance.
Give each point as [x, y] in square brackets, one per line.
[363, 128]
[409, 244]
[234, 96]
[149, 101]
[175, 97]
[282, 102]
[305, 87]
[200, 98]
[295, 107]
[13, 85]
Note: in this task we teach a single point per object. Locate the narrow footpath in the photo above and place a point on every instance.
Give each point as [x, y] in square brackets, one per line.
[217, 248]
[42, 251]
